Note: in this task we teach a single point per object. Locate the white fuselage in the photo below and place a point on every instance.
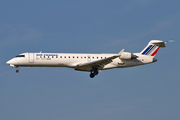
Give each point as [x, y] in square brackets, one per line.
[73, 60]
[89, 62]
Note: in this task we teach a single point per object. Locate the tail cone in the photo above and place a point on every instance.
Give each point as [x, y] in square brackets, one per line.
[154, 59]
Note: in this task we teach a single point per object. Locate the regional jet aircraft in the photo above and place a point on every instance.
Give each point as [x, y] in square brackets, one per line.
[92, 63]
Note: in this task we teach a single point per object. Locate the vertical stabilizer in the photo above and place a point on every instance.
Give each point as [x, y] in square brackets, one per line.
[152, 48]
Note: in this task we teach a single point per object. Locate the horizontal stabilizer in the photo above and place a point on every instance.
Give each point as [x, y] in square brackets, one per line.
[161, 43]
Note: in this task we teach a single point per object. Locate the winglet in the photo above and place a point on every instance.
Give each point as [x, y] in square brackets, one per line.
[120, 52]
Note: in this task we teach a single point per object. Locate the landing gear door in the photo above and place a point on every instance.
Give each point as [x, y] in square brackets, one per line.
[31, 57]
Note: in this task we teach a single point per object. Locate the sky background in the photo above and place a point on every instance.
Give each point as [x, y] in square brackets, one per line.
[149, 92]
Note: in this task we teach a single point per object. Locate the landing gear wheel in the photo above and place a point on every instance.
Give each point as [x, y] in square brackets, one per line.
[17, 71]
[94, 72]
[92, 75]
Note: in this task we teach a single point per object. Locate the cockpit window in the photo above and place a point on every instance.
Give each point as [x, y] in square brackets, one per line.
[20, 56]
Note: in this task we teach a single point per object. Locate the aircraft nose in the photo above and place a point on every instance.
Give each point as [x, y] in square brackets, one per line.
[8, 62]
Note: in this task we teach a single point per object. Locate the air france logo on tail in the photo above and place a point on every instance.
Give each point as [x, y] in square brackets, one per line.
[151, 50]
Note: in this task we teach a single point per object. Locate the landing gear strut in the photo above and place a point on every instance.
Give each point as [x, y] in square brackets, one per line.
[17, 69]
[94, 72]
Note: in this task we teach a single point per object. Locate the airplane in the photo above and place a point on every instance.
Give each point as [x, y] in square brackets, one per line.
[92, 63]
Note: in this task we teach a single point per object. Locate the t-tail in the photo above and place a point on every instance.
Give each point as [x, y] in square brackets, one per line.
[152, 48]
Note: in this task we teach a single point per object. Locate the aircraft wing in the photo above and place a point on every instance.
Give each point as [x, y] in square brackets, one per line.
[99, 64]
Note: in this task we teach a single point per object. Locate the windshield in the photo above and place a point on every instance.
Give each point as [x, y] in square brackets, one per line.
[20, 56]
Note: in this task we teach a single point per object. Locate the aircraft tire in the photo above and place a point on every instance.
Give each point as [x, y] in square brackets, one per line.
[92, 75]
[17, 71]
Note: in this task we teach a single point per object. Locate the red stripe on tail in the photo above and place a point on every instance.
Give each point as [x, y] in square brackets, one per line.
[155, 51]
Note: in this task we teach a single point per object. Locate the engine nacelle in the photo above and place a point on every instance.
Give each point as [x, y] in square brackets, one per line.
[127, 56]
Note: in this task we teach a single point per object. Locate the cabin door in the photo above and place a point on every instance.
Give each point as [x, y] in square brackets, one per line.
[31, 57]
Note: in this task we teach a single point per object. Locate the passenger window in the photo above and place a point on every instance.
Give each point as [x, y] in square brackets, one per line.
[60, 56]
[64, 56]
[84, 56]
[69, 57]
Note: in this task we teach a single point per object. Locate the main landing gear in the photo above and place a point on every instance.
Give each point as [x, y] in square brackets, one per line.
[17, 69]
[93, 73]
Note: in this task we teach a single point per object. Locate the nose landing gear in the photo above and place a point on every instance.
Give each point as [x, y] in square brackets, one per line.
[17, 69]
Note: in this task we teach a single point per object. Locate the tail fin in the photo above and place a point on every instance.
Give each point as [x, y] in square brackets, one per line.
[152, 48]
